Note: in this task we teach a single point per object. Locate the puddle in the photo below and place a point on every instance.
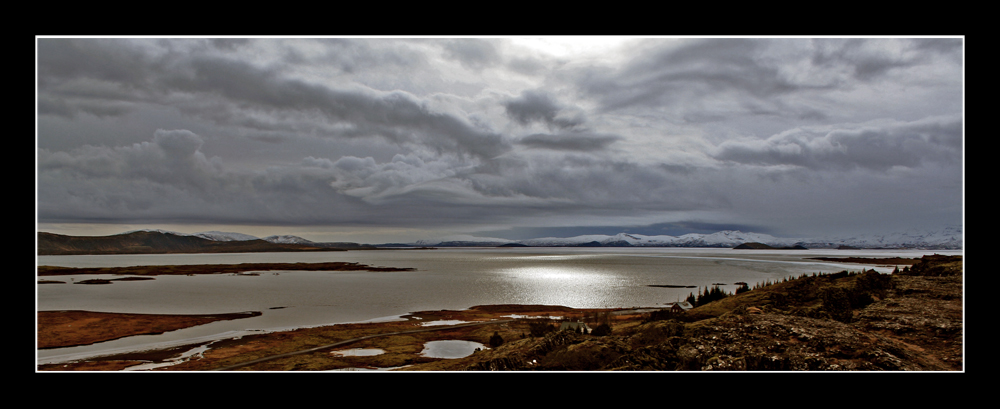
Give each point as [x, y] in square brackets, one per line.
[353, 369]
[442, 322]
[450, 349]
[532, 316]
[359, 352]
[193, 353]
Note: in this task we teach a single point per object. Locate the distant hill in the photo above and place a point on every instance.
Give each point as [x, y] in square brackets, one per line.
[949, 238]
[159, 242]
[762, 246]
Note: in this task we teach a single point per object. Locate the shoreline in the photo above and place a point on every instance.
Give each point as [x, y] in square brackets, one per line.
[71, 328]
[272, 345]
[916, 324]
[192, 269]
[306, 348]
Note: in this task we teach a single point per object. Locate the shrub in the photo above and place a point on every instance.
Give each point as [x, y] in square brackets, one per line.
[601, 330]
[742, 288]
[837, 303]
[540, 328]
[496, 340]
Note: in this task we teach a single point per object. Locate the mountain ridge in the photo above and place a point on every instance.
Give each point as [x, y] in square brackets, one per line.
[158, 242]
[949, 238]
[164, 241]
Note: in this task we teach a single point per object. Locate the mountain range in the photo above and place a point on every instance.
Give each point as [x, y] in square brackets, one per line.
[165, 242]
[950, 238]
[162, 241]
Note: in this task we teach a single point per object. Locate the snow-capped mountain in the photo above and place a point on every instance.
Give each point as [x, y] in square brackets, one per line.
[208, 235]
[948, 238]
[285, 238]
[276, 239]
[727, 238]
[463, 240]
[224, 236]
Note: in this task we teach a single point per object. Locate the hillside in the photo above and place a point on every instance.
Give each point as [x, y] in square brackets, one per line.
[842, 322]
[158, 242]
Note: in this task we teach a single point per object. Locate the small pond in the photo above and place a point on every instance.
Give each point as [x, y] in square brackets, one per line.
[443, 322]
[450, 349]
[359, 352]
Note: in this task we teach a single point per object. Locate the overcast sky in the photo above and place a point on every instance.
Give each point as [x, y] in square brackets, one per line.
[397, 139]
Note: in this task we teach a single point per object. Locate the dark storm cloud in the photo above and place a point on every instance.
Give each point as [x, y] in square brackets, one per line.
[228, 91]
[170, 179]
[688, 70]
[868, 59]
[537, 106]
[876, 146]
[117, 61]
[570, 141]
[791, 80]
[99, 78]
[747, 133]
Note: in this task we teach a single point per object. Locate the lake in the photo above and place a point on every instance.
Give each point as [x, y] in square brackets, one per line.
[445, 278]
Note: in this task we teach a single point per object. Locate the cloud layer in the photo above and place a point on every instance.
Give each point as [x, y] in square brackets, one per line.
[795, 136]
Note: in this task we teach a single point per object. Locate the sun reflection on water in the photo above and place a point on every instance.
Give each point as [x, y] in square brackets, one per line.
[562, 285]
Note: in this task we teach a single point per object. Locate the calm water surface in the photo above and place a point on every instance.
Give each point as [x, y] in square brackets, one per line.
[444, 279]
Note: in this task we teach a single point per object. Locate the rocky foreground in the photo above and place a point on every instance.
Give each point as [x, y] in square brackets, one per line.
[908, 321]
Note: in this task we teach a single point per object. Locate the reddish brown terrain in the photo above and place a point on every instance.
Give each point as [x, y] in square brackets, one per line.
[58, 329]
[909, 321]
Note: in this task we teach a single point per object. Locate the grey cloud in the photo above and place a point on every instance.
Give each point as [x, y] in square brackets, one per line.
[70, 108]
[877, 146]
[229, 44]
[169, 179]
[355, 56]
[405, 178]
[672, 129]
[527, 65]
[171, 159]
[397, 116]
[232, 92]
[867, 59]
[178, 142]
[790, 80]
[112, 60]
[688, 70]
[472, 53]
[570, 141]
[537, 106]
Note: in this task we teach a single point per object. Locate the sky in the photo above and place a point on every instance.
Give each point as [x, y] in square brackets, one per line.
[377, 139]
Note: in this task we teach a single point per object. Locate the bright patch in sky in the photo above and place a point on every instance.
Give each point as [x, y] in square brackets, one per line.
[570, 45]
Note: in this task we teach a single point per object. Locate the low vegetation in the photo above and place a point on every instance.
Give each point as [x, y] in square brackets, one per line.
[851, 320]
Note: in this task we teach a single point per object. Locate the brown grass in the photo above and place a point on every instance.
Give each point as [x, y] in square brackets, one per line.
[58, 329]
